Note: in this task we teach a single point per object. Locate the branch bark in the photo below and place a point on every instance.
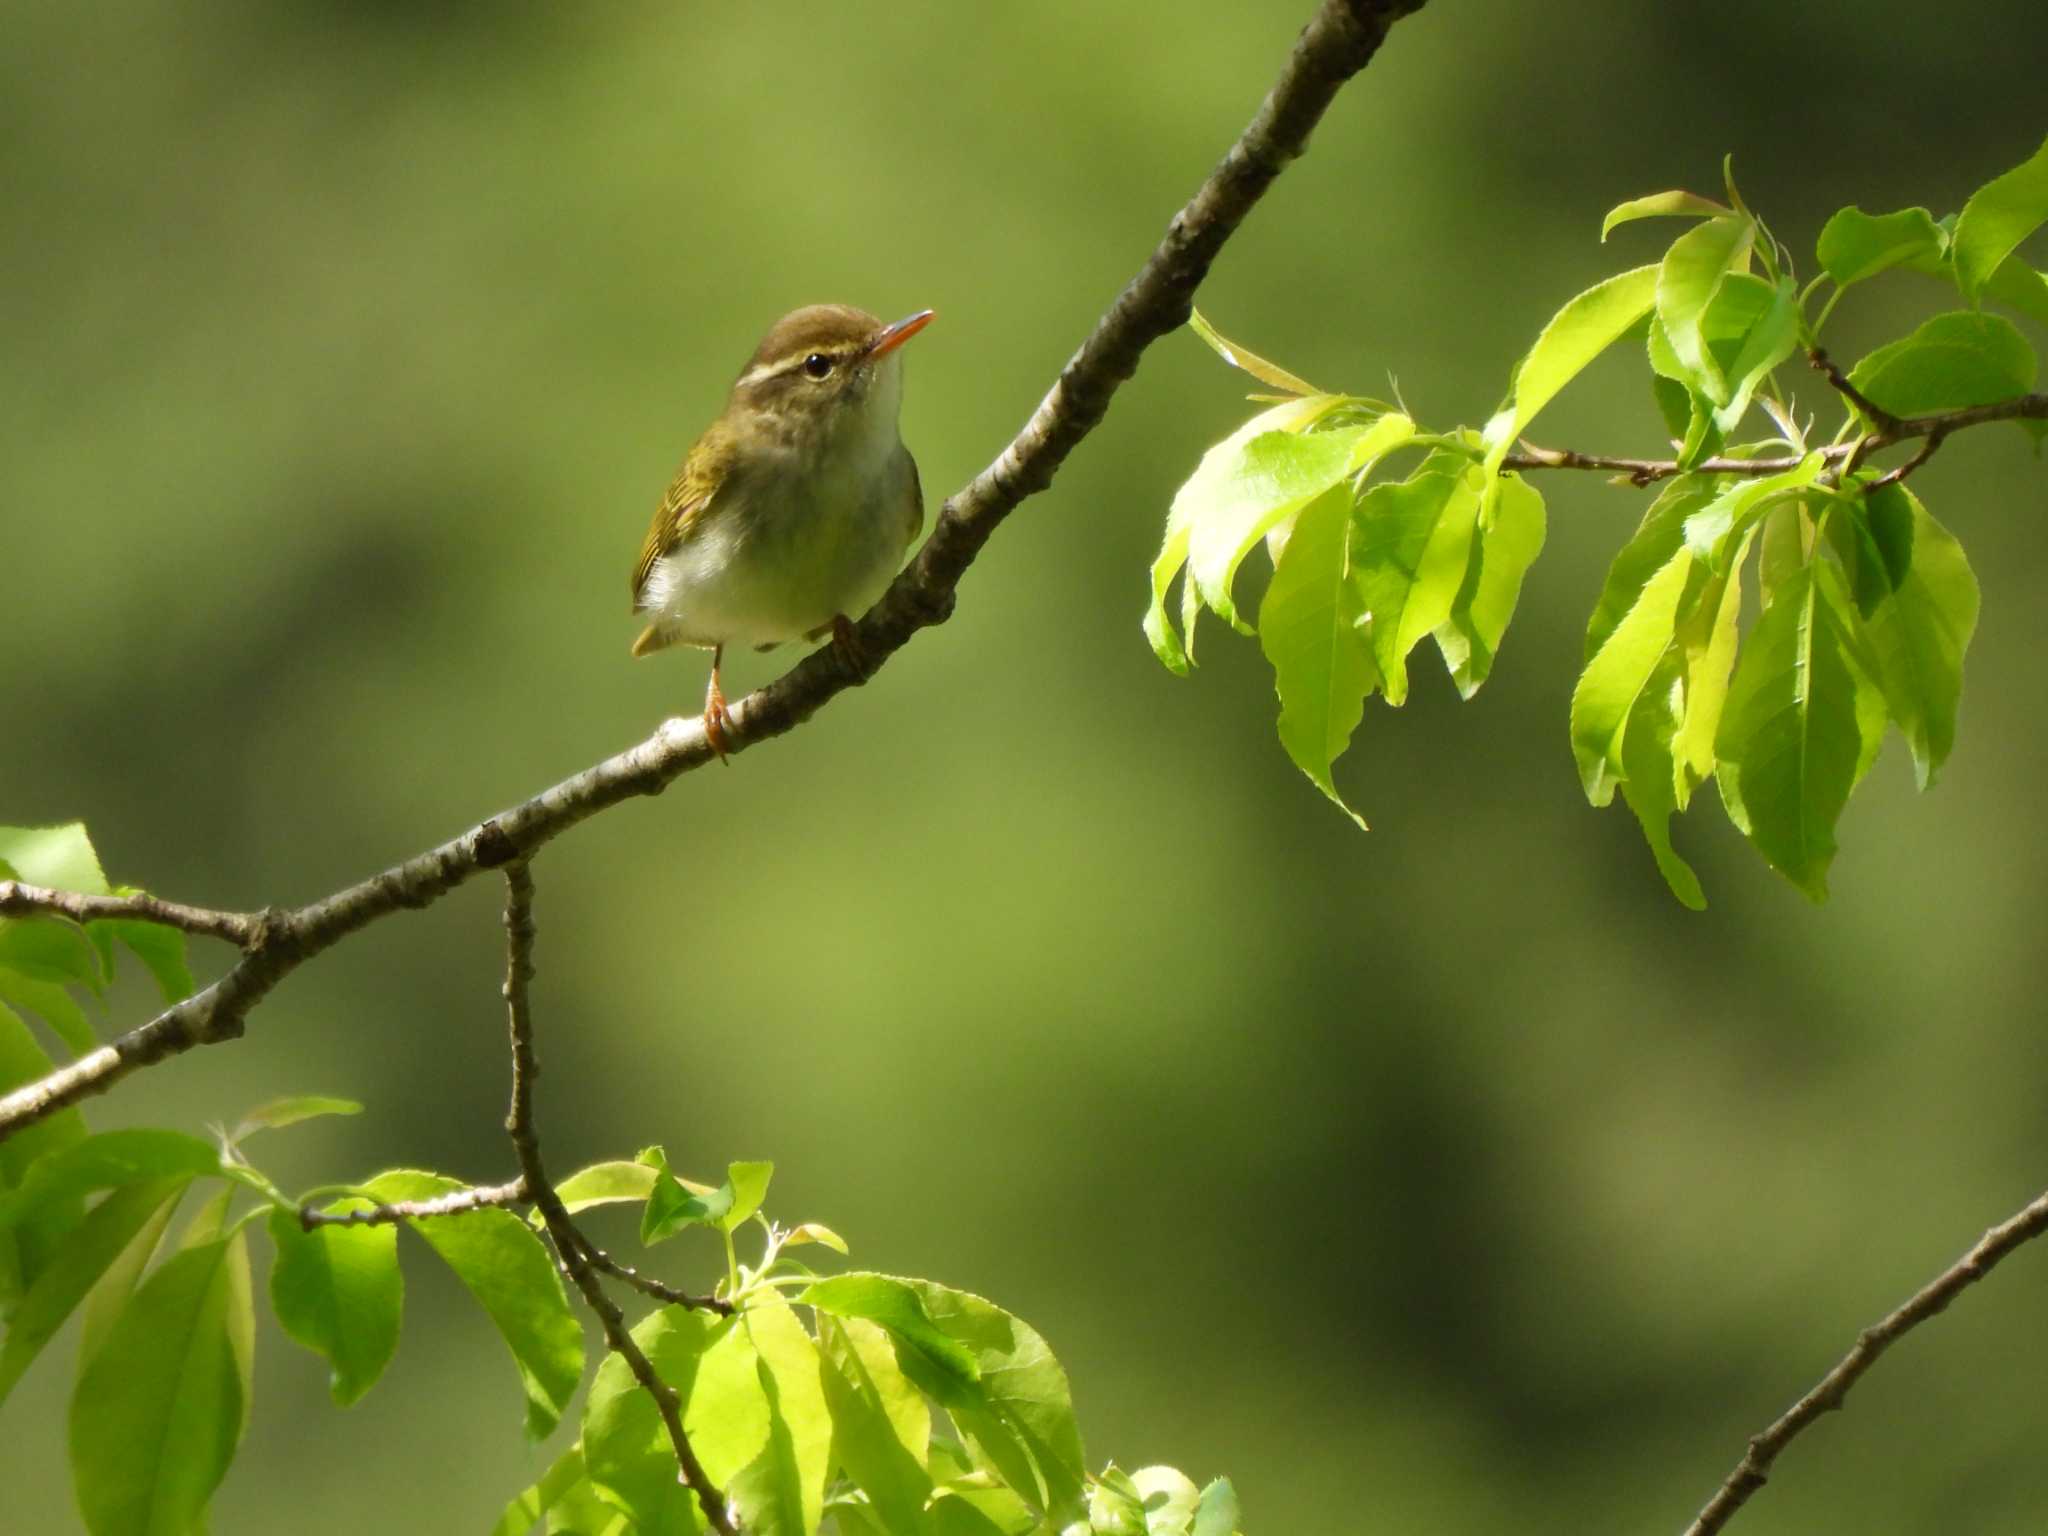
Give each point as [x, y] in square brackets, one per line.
[1753, 1470]
[1339, 41]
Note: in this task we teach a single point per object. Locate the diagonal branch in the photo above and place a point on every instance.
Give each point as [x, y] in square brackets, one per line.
[1753, 1470]
[571, 1248]
[20, 899]
[1339, 41]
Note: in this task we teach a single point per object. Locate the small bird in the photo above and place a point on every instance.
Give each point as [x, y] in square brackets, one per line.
[795, 507]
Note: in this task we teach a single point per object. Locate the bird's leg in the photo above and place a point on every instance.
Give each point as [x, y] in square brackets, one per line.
[717, 720]
[847, 647]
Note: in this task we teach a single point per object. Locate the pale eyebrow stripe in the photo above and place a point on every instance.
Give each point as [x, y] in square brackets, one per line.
[786, 364]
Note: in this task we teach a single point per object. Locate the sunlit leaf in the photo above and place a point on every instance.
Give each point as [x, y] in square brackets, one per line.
[1998, 216]
[1217, 1514]
[1854, 245]
[2018, 286]
[60, 858]
[1243, 357]
[1658, 205]
[1955, 360]
[815, 1232]
[1411, 543]
[554, 1485]
[509, 1271]
[161, 950]
[1505, 546]
[1623, 665]
[881, 1424]
[607, 1183]
[278, 1113]
[1767, 343]
[1649, 770]
[898, 1306]
[338, 1291]
[1714, 531]
[782, 1489]
[1690, 275]
[54, 1005]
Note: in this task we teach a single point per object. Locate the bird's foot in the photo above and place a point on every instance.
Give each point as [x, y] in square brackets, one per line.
[853, 657]
[717, 719]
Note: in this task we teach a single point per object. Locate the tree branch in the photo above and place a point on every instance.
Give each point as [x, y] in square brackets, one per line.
[571, 1248]
[20, 899]
[460, 1201]
[1752, 1471]
[1339, 41]
[1933, 429]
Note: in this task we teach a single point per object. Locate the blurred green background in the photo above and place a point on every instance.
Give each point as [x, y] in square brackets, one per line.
[1446, 1178]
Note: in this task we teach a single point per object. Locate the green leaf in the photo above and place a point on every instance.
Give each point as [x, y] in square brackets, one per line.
[337, 1290]
[554, 1486]
[1920, 629]
[1998, 216]
[1719, 526]
[1657, 205]
[1411, 542]
[509, 1271]
[1506, 546]
[1250, 361]
[50, 949]
[1623, 665]
[881, 1427]
[278, 1113]
[102, 1161]
[1587, 326]
[1692, 272]
[1308, 627]
[1801, 726]
[160, 949]
[61, 858]
[1203, 490]
[749, 1185]
[1955, 360]
[77, 1265]
[1767, 342]
[110, 1295]
[815, 1232]
[897, 1305]
[1218, 1514]
[2018, 286]
[781, 1491]
[674, 1204]
[1170, 1499]
[609, 1183]
[161, 1407]
[1854, 245]
[54, 1004]
[1648, 769]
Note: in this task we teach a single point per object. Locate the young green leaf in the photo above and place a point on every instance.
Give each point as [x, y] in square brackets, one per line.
[1767, 342]
[881, 1426]
[102, 1161]
[1411, 543]
[2018, 286]
[1217, 1515]
[159, 1409]
[1308, 627]
[51, 949]
[1243, 357]
[1718, 527]
[1658, 205]
[554, 1486]
[607, 1183]
[898, 1306]
[56, 1007]
[1692, 272]
[278, 1113]
[77, 1265]
[1649, 769]
[1505, 546]
[338, 1291]
[815, 1232]
[749, 1185]
[1170, 1499]
[160, 949]
[1854, 245]
[1920, 628]
[1622, 668]
[1801, 726]
[1955, 360]
[507, 1268]
[626, 1450]
[1204, 488]
[60, 857]
[674, 1204]
[782, 1489]
[1998, 216]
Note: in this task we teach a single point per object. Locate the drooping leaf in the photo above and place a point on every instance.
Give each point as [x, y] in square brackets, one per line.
[110, 1294]
[626, 1448]
[1648, 763]
[506, 1267]
[1801, 726]
[1955, 360]
[53, 1004]
[1998, 216]
[1767, 342]
[881, 1426]
[1692, 272]
[1204, 490]
[1308, 628]
[1920, 628]
[815, 1232]
[1411, 543]
[1243, 357]
[54, 950]
[1505, 546]
[278, 1113]
[2018, 286]
[1624, 662]
[77, 1265]
[338, 1291]
[104, 1160]
[161, 1407]
[1657, 205]
[1854, 245]
[161, 950]
[781, 1490]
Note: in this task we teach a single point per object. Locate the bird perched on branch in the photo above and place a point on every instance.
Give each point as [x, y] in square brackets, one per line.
[794, 509]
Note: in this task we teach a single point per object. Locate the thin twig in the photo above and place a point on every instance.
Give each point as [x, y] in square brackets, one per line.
[1931, 430]
[1876, 414]
[455, 1203]
[660, 1290]
[1751, 1472]
[1339, 41]
[20, 899]
[571, 1250]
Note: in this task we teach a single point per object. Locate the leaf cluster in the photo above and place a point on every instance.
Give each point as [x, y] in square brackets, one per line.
[1782, 602]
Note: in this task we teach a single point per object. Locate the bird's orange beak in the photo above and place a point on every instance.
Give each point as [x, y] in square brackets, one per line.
[893, 336]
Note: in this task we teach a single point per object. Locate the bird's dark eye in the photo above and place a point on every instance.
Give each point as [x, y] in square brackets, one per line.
[817, 365]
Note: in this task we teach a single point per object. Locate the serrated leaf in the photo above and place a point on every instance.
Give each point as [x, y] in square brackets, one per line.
[1998, 216]
[1801, 726]
[1855, 245]
[1243, 357]
[279, 1113]
[781, 1491]
[1202, 489]
[1692, 272]
[1308, 628]
[159, 1410]
[77, 1265]
[1920, 629]
[506, 1267]
[338, 1291]
[1505, 547]
[1955, 360]
[1411, 543]
[1658, 205]
[1587, 326]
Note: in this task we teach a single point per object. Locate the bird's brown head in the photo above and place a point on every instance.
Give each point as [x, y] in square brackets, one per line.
[824, 352]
